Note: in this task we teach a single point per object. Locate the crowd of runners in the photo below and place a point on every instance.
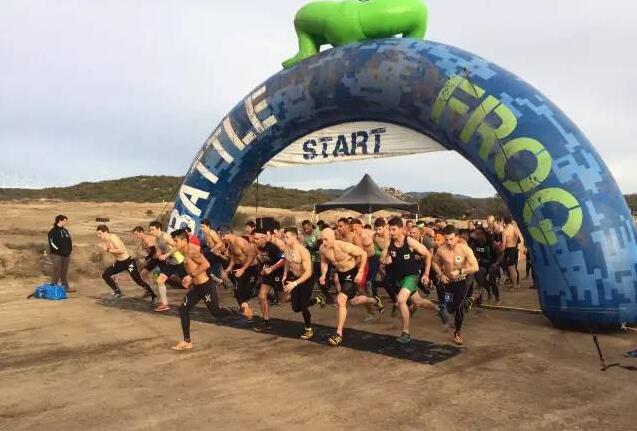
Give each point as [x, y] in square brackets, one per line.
[345, 264]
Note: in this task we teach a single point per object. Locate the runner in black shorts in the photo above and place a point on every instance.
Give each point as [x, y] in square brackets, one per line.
[272, 262]
[242, 270]
[344, 256]
[487, 275]
[298, 279]
[111, 244]
[510, 239]
[150, 260]
[214, 250]
[453, 263]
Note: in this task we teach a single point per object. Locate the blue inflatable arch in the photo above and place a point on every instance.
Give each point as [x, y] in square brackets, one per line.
[566, 202]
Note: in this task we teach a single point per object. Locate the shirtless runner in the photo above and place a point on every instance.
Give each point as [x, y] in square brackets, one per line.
[148, 245]
[200, 285]
[242, 270]
[349, 262]
[298, 280]
[110, 243]
[216, 251]
[510, 240]
[453, 263]
[344, 230]
[405, 271]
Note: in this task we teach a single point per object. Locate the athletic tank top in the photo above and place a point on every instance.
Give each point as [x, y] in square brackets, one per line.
[270, 254]
[484, 253]
[403, 260]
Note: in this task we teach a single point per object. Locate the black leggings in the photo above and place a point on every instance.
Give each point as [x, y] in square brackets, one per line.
[487, 278]
[207, 292]
[301, 300]
[121, 266]
[458, 289]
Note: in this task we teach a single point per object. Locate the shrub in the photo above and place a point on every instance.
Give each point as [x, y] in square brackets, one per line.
[38, 247]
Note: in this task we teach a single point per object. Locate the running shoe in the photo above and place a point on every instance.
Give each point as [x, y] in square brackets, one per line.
[457, 338]
[631, 354]
[442, 313]
[320, 301]
[468, 303]
[404, 338]
[335, 340]
[161, 307]
[115, 297]
[307, 334]
[265, 326]
[379, 304]
[182, 345]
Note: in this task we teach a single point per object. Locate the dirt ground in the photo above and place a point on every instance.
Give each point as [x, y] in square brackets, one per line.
[80, 364]
[86, 364]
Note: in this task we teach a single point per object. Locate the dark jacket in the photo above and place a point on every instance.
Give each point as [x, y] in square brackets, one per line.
[60, 241]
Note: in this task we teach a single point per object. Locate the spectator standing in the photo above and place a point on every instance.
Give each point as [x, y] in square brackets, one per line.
[60, 248]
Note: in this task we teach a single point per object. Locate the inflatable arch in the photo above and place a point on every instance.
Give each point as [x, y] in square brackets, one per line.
[571, 211]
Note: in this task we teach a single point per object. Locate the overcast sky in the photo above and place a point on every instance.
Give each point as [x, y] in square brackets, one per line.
[93, 90]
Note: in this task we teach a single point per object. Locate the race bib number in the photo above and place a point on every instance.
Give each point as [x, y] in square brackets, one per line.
[448, 297]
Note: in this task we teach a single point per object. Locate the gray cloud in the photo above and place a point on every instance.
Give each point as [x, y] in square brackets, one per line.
[94, 90]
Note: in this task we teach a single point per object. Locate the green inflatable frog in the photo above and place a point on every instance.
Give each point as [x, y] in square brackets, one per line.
[348, 21]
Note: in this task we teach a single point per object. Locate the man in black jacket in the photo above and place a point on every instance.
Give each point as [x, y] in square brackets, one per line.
[60, 247]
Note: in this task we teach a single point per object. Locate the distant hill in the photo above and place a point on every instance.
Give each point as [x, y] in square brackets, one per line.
[419, 195]
[164, 188]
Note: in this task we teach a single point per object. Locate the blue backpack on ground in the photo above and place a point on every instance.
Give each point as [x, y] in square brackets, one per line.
[49, 291]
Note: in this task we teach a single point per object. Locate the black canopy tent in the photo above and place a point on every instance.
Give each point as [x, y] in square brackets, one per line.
[366, 198]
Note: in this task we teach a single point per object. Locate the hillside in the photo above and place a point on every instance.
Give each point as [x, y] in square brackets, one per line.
[163, 189]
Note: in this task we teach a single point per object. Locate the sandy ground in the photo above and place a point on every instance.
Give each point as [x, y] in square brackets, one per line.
[80, 364]
[83, 364]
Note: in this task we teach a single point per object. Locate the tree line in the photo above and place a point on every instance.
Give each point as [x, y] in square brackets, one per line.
[164, 189]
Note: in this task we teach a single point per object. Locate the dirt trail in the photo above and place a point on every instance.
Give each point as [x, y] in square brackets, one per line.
[78, 364]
